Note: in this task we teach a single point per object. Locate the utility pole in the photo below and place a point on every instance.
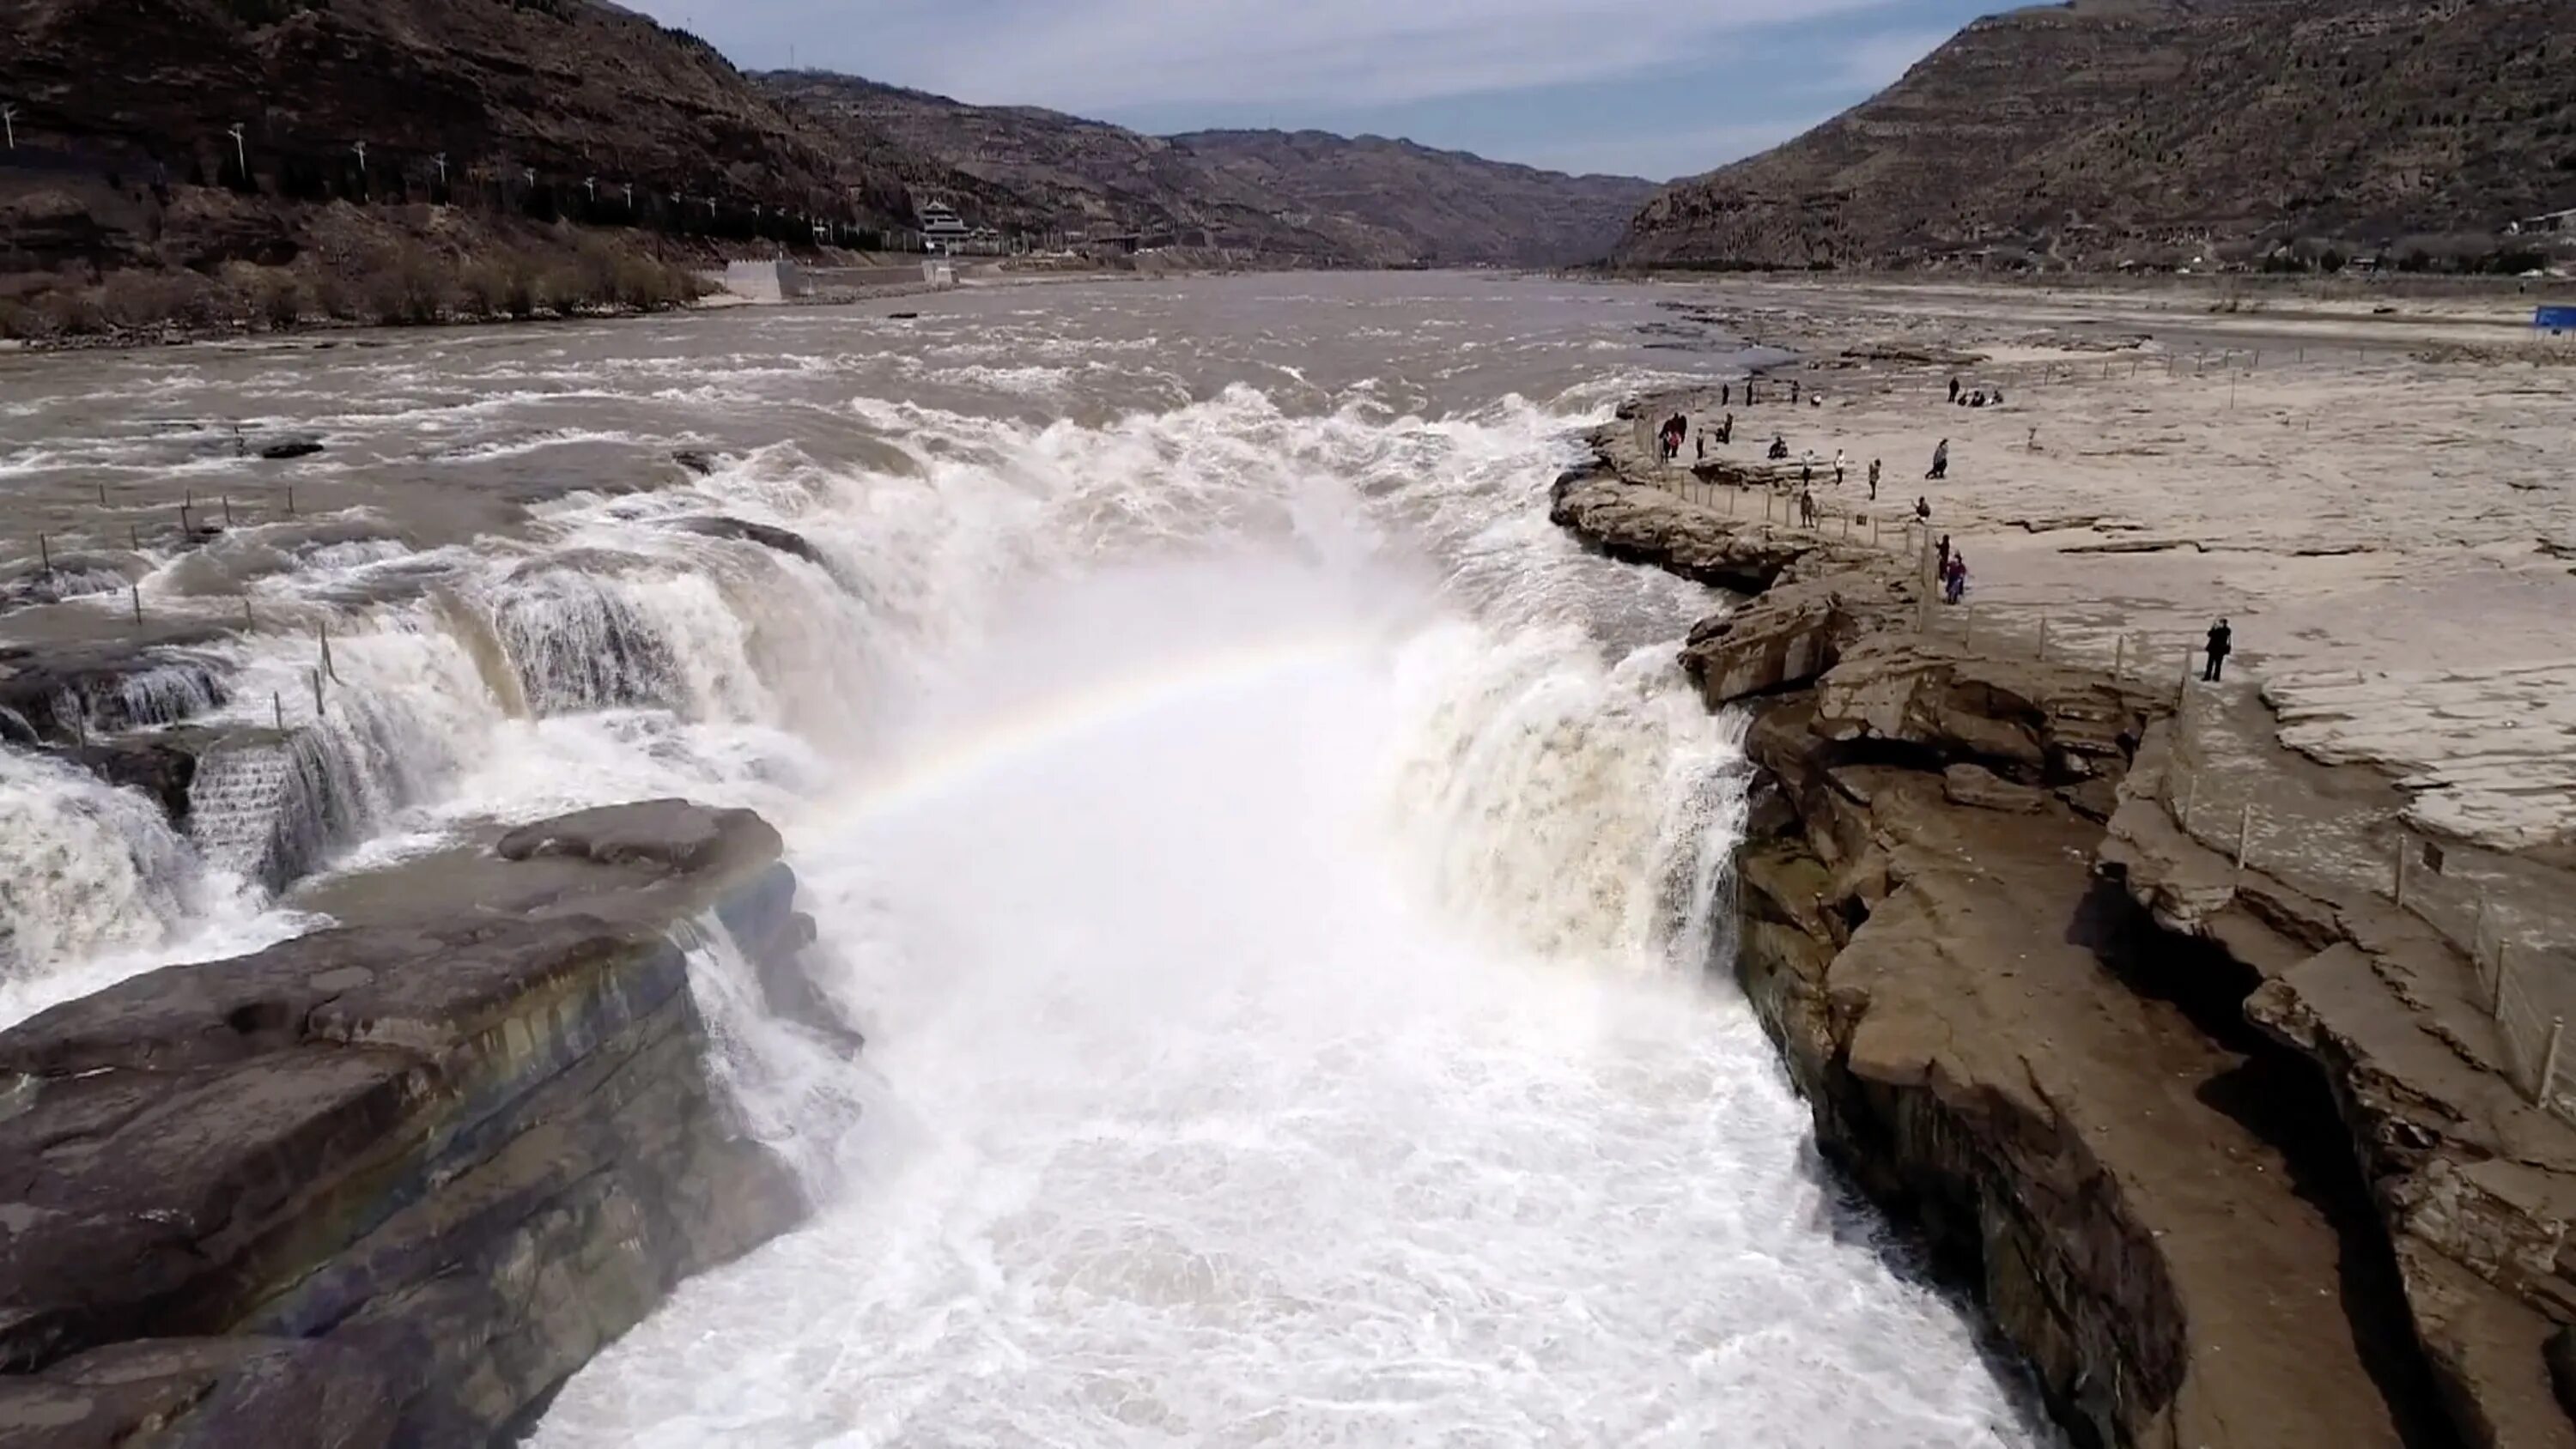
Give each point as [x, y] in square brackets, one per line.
[441, 160]
[630, 198]
[9, 124]
[593, 183]
[360, 147]
[241, 150]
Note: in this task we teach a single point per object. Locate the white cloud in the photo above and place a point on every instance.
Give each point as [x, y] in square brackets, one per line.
[1118, 54]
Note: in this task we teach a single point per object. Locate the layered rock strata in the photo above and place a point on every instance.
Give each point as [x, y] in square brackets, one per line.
[2179, 1132]
[391, 1182]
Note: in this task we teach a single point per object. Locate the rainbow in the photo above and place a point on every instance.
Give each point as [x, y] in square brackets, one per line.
[1048, 722]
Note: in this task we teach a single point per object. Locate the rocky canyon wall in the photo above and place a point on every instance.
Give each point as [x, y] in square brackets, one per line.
[2197, 1209]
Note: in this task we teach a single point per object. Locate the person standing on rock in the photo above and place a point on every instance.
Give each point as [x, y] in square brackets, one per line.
[1807, 468]
[1838, 467]
[1922, 510]
[1702, 445]
[1726, 431]
[1954, 389]
[1940, 461]
[2221, 643]
[1873, 480]
[1793, 392]
[1945, 555]
[1807, 507]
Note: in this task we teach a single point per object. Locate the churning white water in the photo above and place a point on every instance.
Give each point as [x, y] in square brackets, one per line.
[1276, 870]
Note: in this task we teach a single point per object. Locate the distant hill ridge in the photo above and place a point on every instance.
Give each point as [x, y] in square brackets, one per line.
[1308, 195]
[2106, 130]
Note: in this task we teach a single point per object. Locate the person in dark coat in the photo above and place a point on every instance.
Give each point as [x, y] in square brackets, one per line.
[1954, 389]
[2221, 643]
[1940, 461]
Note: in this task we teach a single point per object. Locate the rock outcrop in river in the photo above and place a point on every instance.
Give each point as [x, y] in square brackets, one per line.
[2208, 1170]
[392, 1182]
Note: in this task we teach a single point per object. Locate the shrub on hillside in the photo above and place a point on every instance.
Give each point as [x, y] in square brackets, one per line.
[67, 312]
[281, 301]
[411, 288]
[484, 288]
[136, 299]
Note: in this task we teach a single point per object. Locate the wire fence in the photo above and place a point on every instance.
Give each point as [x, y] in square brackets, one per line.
[2473, 909]
[1775, 495]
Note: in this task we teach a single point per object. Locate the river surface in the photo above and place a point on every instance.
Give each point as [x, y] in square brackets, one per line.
[1275, 868]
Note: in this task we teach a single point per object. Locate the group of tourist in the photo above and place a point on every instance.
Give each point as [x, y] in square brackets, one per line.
[1975, 397]
[1950, 563]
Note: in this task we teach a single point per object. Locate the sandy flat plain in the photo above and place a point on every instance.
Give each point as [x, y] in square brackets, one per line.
[2380, 501]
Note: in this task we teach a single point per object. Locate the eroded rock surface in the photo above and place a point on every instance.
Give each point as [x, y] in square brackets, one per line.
[395, 1180]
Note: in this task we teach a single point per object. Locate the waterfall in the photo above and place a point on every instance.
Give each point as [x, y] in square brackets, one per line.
[87, 867]
[1279, 869]
[786, 1088]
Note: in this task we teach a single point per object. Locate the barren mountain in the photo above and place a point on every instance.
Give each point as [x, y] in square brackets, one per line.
[1452, 207]
[1309, 196]
[569, 88]
[2101, 129]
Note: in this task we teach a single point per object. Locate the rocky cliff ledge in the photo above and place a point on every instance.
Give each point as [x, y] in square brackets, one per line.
[2207, 1207]
[390, 1183]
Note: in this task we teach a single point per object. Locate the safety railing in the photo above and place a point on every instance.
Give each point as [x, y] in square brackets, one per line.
[2515, 974]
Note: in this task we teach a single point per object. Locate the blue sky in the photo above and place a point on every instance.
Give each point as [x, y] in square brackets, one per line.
[1642, 87]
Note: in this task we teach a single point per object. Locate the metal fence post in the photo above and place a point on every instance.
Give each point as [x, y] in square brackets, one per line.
[2244, 834]
[2549, 1060]
[2397, 887]
[2502, 957]
[2043, 638]
[2120, 658]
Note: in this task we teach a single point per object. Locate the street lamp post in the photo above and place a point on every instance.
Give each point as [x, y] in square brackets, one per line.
[360, 147]
[441, 160]
[9, 124]
[241, 150]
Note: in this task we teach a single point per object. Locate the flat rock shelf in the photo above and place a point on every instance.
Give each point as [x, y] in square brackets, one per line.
[392, 1182]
